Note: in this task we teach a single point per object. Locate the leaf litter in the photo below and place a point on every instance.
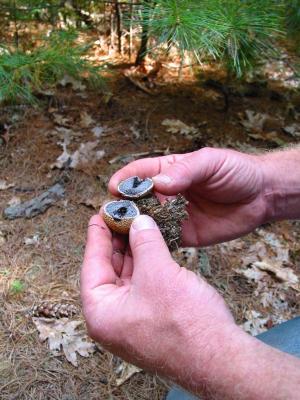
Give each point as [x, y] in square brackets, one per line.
[256, 125]
[5, 185]
[69, 80]
[267, 264]
[85, 154]
[293, 130]
[254, 121]
[63, 335]
[86, 120]
[125, 371]
[177, 126]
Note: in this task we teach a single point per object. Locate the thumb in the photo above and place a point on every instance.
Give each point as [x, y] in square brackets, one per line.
[175, 179]
[148, 248]
[197, 167]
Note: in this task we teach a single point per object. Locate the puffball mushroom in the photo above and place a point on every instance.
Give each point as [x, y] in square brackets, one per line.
[140, 199]
[119, 215]
[135, 187]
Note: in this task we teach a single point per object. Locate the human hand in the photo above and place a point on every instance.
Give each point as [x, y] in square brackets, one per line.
[225, 190]
[141, 305]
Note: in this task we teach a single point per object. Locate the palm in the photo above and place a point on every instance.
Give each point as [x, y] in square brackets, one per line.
[127, 296]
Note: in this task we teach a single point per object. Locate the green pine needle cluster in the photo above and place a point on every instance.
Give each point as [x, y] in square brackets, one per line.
[25, 74]
[235, 32]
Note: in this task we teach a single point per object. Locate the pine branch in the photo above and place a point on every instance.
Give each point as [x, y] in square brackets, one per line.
[23, 74]
[232, 31]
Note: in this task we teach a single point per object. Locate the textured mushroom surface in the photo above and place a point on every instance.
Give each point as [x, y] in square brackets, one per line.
[168, 215]
[135, 187]
[120, 214]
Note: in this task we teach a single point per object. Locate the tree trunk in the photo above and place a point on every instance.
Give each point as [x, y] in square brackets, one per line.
[144, 39]
[119, 31]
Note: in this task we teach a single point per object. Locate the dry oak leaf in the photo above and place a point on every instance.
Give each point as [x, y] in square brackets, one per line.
[254, 121]
[285, 275]
[62, 333]
[255, 323]
[4, 185]
[77, 85]
[177, 126]
[85, 120]
[125, 371]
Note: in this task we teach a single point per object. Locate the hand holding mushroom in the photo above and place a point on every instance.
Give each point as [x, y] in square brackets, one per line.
[144, 307]
[224, 188]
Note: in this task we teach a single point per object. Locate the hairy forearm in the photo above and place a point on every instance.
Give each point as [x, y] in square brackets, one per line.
[282, 184]
[243, 368]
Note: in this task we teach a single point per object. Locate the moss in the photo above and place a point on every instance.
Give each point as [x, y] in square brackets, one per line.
[168, 216]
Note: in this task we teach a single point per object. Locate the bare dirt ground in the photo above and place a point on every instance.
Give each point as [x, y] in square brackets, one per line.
[40, 258]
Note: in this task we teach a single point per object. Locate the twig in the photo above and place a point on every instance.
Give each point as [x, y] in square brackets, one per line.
[147, 121]
[133, 156]
[139, 85]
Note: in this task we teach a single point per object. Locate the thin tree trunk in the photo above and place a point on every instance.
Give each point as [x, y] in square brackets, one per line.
[112, 33]
[130, 30]
[15, 19]
[119, 30]
[144, 40]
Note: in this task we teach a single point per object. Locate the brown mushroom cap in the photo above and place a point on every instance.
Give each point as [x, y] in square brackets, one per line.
[119, 215]
[135, 187]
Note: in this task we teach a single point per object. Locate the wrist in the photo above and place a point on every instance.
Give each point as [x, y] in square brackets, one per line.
[281, 185]
[244, 368]
[205, 360]
[218, 375]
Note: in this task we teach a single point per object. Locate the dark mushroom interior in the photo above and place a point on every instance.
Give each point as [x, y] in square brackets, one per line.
[121, 209]
[135, 187]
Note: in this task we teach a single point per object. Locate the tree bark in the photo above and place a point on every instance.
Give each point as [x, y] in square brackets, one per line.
[144, 39]
[119, 30]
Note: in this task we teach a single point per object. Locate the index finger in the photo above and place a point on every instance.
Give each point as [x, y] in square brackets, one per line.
[97, 266]
[143, 168]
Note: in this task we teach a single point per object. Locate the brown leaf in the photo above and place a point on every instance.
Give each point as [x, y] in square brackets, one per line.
[285, 275]
[177, 126]
[85, 120]
[126, 371]
[4, 185]
[63, 334]
[61, 120]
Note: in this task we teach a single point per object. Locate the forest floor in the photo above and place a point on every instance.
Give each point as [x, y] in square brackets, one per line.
[40, 258]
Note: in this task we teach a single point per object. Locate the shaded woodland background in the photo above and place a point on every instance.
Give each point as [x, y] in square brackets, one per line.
[88, 86]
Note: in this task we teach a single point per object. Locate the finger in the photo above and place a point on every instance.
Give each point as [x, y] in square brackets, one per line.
[144, 168]
[127, 265]
[119, 242]
[149, 251]
[97, 267]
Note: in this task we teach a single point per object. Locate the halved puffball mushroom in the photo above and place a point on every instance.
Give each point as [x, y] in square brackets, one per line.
[135, 187]
[119, 215]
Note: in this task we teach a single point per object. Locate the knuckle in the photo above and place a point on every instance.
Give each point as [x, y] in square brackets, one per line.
[94, 219]
[142, 239]
[208, 151]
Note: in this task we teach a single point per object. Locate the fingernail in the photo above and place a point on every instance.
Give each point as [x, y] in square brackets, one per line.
[143, 222]
[164, 179]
